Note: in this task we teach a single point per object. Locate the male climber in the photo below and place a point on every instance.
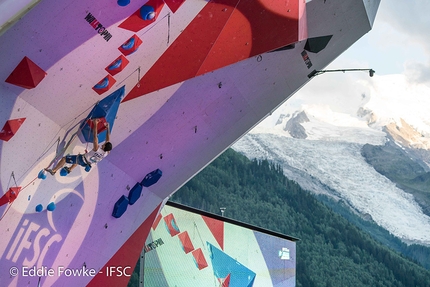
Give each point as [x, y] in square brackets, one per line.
[89, 158]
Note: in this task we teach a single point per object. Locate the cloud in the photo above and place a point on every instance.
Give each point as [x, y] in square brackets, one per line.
[411, 25]
[418, 72]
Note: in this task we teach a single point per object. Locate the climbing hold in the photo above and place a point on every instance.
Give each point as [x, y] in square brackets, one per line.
[39, 208]
[128, 45]
[140, 18]
[10, 128]
[10, 195]
[151, 178]
[104, 85]
[26, 74]
[120, 207]
[101, 125]
[134, 193]
[131, 45]
[64, 172]
[123, 2]
[42, 174]
[117, 65]
[51, 206]
[147, 12]
[107, 108]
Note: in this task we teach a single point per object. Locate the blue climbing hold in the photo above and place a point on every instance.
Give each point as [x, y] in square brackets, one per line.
[64, 172]
[103, 84]
[39, 208]
[116, 64]
[134, 193]
[123, 2]
[51, 206]
[42, 174]
[129, 44]
[151, 178]
[147, 12]
[120, 207]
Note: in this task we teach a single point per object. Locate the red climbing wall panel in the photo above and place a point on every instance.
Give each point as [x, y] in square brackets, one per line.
[130, 46]
[104, 85]
[117, 65]
[217, 229]
[135, 22]
[223, 33]
[174, 4]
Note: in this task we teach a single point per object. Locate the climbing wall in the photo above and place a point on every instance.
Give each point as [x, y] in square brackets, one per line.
[193, 84]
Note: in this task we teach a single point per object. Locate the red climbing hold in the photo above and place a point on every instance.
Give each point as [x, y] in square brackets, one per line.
[27, 74]
[10, 128]
[101, 126]
[10, 195]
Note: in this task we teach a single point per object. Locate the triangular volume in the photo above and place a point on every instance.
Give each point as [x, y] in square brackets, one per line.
[26, 75]
[10, 128]
[226, 266]
[106, 109]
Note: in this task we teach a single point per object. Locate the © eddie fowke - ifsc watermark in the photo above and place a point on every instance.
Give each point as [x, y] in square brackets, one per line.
[44, 271]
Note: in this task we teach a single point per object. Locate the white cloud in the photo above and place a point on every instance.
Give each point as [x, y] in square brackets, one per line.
[410, 26]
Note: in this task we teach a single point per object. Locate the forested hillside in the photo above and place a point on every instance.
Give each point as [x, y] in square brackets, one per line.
[331, 251]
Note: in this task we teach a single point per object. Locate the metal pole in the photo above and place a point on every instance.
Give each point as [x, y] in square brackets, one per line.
[316, 73]
[142, 267]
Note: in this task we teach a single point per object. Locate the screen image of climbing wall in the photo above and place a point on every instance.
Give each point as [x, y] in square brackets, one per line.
[187, 247]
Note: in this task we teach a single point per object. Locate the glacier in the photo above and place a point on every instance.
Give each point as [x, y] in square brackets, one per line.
[329, 159]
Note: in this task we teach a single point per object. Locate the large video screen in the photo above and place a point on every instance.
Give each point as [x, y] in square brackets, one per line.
[188, 248]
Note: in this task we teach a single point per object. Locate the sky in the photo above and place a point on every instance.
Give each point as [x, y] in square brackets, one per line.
[399, 41]
[398, 49]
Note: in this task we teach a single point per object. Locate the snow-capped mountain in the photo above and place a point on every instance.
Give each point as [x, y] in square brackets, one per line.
[320, 146]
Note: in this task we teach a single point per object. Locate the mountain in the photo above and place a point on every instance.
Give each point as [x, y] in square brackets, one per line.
[371, 153]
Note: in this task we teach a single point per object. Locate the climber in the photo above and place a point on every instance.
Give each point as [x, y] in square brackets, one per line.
[87, 159]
